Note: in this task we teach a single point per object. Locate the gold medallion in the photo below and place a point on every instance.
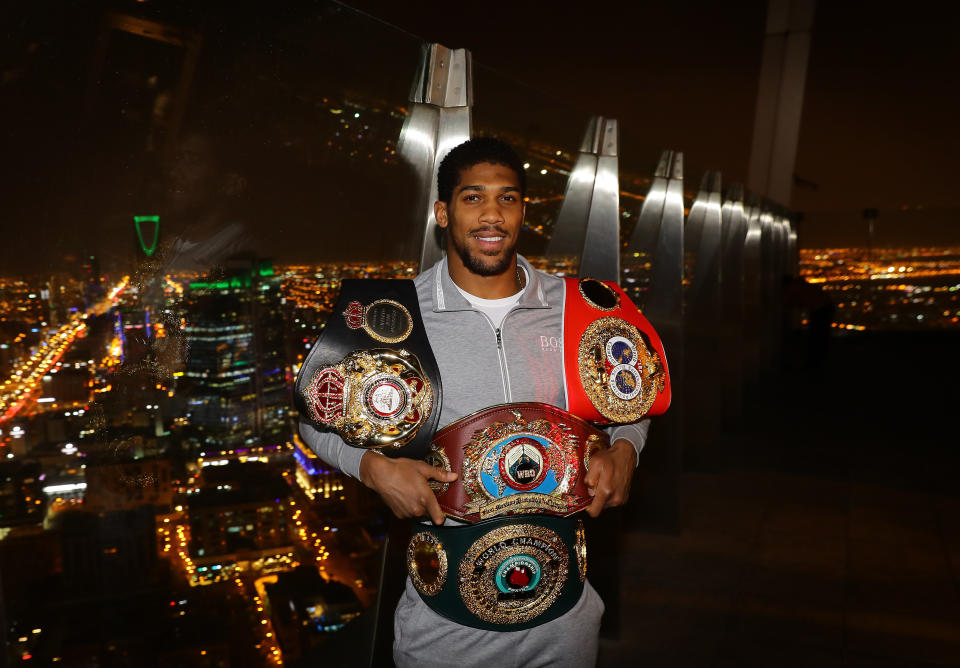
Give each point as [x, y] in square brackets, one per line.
[426, 563]
[513, 574]
[385, 320]
[619, 372]
[438, 458]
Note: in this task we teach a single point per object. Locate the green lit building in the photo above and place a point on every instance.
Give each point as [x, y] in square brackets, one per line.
[235, 375]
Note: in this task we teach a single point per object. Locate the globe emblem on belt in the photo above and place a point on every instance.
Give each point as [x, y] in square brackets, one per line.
[621, 350]
[625, 381]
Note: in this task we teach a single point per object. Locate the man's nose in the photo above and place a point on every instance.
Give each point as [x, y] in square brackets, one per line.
[491, 212]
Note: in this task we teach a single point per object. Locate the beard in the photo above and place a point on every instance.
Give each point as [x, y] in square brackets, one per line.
[482, 264]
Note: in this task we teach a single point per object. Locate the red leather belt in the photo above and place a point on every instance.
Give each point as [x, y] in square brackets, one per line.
[526, 458]
[615, 366]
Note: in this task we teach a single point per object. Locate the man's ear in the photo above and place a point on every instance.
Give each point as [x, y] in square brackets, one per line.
[440, 213]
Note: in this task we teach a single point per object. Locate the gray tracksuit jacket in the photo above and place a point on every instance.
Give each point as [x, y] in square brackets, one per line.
[480, 365]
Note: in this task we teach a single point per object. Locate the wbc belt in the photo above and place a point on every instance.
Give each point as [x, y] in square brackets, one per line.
[504, 574]
[615, 366]
[515, 458]
[371, 375]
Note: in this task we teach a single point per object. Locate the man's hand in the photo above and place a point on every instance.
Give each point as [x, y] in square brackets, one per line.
[609, 477]
[402, 484]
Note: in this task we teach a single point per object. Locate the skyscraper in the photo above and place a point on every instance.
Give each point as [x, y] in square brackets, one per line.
[235, 370]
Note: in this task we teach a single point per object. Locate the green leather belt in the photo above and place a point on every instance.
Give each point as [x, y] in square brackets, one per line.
[503, 574]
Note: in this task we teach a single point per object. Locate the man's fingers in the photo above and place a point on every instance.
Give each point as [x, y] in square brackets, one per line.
[593, 475]
[433, 509]
[434, 473]
[593, 510]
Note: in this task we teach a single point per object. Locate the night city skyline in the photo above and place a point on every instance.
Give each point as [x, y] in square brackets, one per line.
[186, 185]
[874, 133]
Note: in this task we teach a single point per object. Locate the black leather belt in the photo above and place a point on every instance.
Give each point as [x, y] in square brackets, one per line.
[503, 574]
[371, 375]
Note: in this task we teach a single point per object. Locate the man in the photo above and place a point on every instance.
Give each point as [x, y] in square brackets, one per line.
[495, 326]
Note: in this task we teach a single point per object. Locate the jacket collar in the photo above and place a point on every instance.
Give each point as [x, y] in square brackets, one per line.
[446, 296]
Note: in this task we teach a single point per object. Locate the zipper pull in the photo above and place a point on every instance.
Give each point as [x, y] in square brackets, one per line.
[499, 340]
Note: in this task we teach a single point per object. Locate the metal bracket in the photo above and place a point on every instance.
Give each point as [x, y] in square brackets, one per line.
[588, 224]
[702, 236]
[657, 240]
[440, 119]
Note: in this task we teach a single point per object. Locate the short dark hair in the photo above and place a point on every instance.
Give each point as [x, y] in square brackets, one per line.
[472, 152]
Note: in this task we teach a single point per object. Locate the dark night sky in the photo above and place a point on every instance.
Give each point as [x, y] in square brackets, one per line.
[881, 101]
[877, 130]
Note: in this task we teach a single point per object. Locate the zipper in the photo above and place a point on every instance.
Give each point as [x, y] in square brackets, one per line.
[503, 360]
[507, 394]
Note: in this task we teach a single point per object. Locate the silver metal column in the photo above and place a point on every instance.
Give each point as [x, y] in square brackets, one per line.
[703, 383]
[702, 237]
[793, 251]
[734, 232]
[658, 236]
[783, 74]
[752, 294]
[767, 283]
[588, 224]
[442, 95]
[658, 291]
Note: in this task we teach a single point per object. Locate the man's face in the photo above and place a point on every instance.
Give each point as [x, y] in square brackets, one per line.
[484, 218]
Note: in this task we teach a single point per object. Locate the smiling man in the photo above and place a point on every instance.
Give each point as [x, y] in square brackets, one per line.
[495, 326]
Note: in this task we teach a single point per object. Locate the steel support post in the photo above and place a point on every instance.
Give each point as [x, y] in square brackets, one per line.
[767, 294]
[703, 381]
[658, 240]
[588, 225]
[783, 73]
[752, 295]
[734, 232]
[442, 96]
[793, 252]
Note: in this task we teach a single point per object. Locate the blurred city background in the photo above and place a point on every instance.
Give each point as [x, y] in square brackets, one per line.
[183, 190]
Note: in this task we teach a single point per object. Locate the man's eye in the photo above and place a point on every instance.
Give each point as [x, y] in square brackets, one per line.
[509, 198]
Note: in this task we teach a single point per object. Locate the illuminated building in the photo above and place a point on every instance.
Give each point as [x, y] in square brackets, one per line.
[332, 492]
[239, 524]
[235, 374]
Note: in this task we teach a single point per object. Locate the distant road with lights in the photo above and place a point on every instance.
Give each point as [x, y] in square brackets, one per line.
[27, 379]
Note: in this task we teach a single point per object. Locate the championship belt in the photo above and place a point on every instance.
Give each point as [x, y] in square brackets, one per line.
[504, 574]
[371, 375]
[615, 366]
[515, 459]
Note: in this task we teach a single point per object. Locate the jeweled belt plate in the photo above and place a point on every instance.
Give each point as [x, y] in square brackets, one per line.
[371, 375]
[615, 365]
[515, 459]
[373, 398]
[504, 574]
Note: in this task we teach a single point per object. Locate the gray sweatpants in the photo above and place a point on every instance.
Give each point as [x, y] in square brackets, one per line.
[424, 639]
